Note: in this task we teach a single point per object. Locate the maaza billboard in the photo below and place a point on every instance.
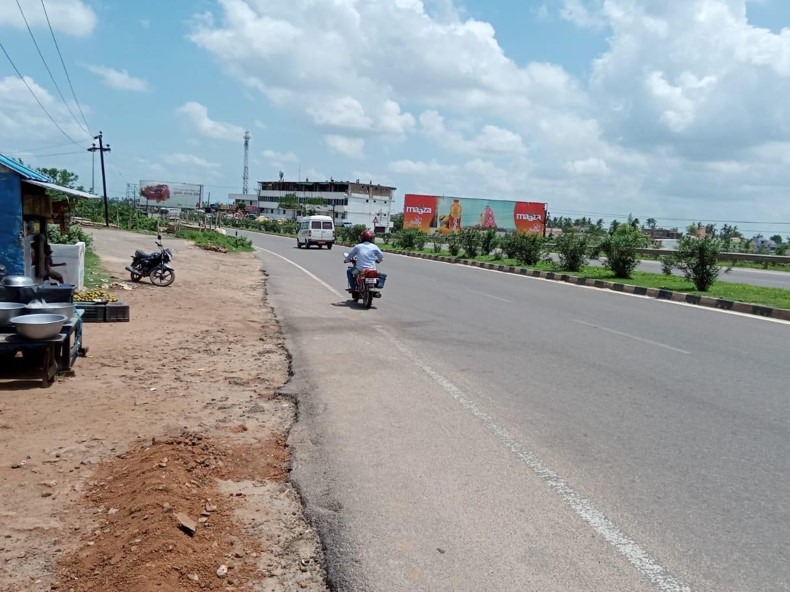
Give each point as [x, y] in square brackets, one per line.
[172, 195]
[432, 213]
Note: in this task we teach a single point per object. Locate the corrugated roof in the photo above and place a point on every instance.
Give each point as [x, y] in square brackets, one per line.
[23, 171]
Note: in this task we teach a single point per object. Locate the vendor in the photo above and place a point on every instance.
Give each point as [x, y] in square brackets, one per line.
[42, 259]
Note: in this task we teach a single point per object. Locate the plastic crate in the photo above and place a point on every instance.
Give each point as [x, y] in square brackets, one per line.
[55, 293]
[116, 312]
[93, 313]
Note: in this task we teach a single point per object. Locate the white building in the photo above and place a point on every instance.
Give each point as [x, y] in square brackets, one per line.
[347, 202]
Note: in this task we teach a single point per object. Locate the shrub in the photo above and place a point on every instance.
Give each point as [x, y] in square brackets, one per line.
[572, 249]
[488, 241]
[470, 240]
[525, 248]
[698, 260]
[411, 239]
[620, 250]
[72, 236]
[437, 242]
[454, 244]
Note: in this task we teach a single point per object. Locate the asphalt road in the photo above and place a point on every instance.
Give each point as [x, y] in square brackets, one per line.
[484, 431]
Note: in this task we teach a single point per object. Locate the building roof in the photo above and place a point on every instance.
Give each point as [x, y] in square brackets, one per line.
[23, 171]
[35, 178]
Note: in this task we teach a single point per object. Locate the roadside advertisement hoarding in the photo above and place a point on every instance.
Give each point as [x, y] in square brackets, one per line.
[171, 195]
[431, 213]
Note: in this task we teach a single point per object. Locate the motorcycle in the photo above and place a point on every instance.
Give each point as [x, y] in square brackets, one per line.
[368, 285]
[154, 265]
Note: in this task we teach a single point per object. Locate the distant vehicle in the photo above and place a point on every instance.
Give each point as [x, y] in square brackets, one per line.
[316, 230]
[170, 213]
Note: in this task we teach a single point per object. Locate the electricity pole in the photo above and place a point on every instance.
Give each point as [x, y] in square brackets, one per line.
[102, 149]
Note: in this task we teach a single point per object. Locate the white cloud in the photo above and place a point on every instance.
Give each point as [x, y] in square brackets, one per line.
[412, 167]
[351, 147]
[23, 121]
[491, 139]
[119, 79]
[71, 17]
[197, 116]
[589, 166]
[279, 158]
[345, 112]
[145, 23]
[191, 166]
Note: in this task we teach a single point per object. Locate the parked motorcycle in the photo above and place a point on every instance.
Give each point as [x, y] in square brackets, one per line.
[154, 265]
[368, 285]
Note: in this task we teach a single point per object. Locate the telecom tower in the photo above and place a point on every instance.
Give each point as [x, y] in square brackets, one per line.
[246, 177]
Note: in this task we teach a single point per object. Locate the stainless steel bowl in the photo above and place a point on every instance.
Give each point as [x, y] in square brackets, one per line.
[18, 281]
[57, 308]
[9, 310]
[39, 326]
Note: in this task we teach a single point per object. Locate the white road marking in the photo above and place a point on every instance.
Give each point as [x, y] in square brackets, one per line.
[658, 575]
[636, 556]
[489, 296]
[316, 278]
[629, 336]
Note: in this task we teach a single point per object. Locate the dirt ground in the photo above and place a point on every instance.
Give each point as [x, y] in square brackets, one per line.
[161, 464]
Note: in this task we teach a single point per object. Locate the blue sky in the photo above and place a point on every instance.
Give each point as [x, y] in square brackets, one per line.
[672, 110]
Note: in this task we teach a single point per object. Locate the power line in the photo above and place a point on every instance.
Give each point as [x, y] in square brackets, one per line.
[44, 61]
[71, 86]
[22, 78]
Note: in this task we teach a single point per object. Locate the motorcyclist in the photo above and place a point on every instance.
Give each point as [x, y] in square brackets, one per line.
[366, 255]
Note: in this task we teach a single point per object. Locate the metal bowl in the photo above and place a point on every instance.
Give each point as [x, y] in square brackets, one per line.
[56, 308]
[39, 326]
[18, 281]
[8, 310]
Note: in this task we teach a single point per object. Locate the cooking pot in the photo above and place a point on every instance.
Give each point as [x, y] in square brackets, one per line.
[18, 281]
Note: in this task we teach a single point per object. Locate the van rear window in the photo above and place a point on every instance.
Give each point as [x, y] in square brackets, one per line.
[327, 225]
[315, 224]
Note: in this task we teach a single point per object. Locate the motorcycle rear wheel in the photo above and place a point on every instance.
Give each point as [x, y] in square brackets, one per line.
[368, 300]
[162, 277]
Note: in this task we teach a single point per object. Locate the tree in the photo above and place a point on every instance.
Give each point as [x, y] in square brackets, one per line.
[650, 223]
[613, 226]
[64, 178]
[777, 238]
[397, 222]
[710, 230]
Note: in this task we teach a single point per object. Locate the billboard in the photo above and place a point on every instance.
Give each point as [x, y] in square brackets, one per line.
[172, 195]
[432, 213]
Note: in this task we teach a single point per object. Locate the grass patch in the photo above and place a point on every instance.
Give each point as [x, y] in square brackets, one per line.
[212, 238]
[95, 274]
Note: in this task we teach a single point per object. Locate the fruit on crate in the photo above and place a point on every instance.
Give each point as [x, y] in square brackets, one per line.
[94, 295]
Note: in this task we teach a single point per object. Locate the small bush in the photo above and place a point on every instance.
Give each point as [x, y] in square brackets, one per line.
[72, 236]
[454, 244]
[525, 248]
[470, 239]
[698, 260]
[437, 242]
[411, 239]
[572, 249]
[620, 250]
[209, 238]
[488, 241]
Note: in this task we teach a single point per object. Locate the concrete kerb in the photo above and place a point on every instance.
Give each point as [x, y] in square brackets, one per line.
[658, 293]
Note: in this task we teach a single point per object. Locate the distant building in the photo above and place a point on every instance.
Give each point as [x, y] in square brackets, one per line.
[348, 202]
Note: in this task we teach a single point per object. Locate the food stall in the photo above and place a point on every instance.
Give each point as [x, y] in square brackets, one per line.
[40, 328]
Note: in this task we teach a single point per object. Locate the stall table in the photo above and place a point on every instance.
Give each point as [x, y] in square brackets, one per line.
[41, 359]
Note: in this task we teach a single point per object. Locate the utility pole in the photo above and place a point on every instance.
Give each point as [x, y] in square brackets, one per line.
[102, 149]
[246, 175]
[93, 149]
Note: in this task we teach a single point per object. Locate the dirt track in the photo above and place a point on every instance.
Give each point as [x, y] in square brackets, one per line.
[172, 415]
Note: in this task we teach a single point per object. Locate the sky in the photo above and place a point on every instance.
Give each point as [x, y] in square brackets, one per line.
[672, 109]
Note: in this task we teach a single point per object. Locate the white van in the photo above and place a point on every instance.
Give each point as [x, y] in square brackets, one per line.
[316, 230]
